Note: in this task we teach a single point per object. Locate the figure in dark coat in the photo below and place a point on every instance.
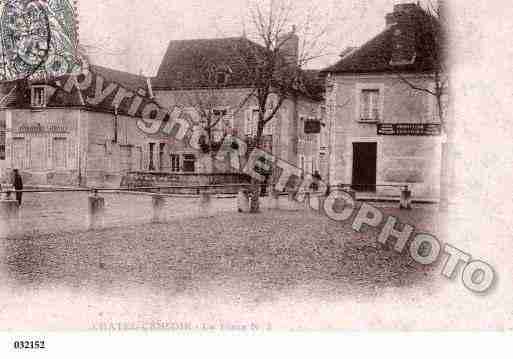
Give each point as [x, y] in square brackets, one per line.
[316, 180]
[18, 185]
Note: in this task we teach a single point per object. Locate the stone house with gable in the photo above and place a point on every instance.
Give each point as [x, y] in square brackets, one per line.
[383, 132]
[195, 72]
[60, 132]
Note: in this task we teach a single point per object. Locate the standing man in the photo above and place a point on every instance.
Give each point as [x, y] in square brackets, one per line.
[316, 179]
[18, 185]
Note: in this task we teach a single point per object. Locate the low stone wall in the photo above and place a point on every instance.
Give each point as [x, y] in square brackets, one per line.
[55, 178]
[159, 179]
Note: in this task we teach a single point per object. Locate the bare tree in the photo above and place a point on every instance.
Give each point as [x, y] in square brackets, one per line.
[211, 107]
[287, 40]
[433, 40]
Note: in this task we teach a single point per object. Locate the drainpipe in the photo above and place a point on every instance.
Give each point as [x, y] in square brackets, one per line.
[150, 89]
[115, 124]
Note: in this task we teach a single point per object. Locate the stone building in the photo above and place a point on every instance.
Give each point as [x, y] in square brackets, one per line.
[68, 131]
[83, 130]
[206, 74]
[382, 131]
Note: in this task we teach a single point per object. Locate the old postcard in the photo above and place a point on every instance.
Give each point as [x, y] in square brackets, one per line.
[255, 166]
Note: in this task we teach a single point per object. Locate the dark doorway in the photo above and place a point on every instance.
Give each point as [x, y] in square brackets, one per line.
[364, 166]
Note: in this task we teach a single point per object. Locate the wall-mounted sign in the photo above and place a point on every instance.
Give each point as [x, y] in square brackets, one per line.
[409, 129]
[42, 129]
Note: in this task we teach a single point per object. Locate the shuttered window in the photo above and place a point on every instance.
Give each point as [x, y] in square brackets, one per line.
[175, 162]
[251, 122]
[369, 105]
[59, 153]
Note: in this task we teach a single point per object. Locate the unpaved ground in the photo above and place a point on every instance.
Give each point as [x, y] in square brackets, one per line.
[86, 279]
[280, 269]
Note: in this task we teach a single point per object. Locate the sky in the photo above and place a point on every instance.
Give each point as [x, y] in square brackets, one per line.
[133, 35]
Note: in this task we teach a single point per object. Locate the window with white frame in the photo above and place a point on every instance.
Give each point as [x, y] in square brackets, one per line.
[370, 104]
[251, 122]
[38, 96]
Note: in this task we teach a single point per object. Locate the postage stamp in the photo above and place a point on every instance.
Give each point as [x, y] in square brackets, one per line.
[38, 39]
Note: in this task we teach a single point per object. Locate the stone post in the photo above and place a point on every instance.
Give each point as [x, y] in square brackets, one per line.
[9, 218]
[96, 210]
[243, 201]
[306, 202]
[158, 202]
[275, 199]
[205, 202]
[405, 202]
[291, 195]
[315, 201]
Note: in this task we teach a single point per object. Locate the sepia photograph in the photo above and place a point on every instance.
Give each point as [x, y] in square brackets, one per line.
[254, 166]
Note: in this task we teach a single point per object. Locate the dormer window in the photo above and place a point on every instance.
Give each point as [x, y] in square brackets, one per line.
[221, 77]
[38, 96]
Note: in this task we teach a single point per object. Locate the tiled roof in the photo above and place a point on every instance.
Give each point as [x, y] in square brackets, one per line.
[406, 46]
[58, 98]
[126, 79]
[194, 63]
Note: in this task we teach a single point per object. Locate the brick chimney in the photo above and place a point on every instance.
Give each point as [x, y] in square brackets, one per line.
[401, 11]
[290, 46]
[403, 20]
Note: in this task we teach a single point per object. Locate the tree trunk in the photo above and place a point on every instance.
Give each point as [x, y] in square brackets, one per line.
[256, 187]
[254, 200]
[446, 174]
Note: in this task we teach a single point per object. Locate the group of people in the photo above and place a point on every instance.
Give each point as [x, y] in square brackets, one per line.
[17, 184]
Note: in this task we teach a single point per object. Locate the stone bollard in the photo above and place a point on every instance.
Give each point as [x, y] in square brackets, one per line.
[291, 195]
[158, 202]
[306, 202]
[315, 201]
[205, 203]
[322, 199]
[405, 202]
[9, 218]
[96, 211]
[243, 201]
[275, 198]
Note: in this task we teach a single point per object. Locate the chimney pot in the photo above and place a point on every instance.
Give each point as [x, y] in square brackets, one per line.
[405, 8]
[390, 19]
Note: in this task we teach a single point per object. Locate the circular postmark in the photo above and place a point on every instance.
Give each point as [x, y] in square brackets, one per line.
[38, 39]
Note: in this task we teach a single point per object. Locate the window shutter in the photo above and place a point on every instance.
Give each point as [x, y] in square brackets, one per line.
[247, 122]
[365, 105]
[268, 128]
[254, 122]
[230, 118]
[375, 105]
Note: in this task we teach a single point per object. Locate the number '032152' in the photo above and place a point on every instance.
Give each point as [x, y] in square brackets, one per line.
[29, 344]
